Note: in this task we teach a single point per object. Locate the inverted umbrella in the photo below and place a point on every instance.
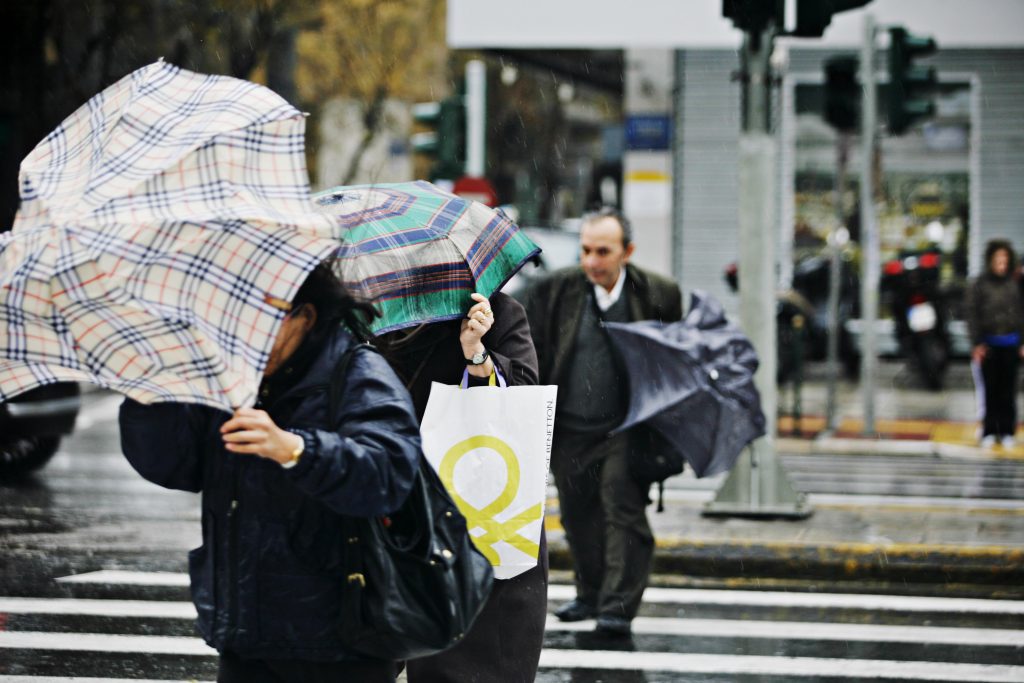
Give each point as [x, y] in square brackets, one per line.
[160, 227]
[419, 252]
[692, 382]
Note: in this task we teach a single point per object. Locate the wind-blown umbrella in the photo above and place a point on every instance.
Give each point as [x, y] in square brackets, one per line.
[159, 225]
[419, 252]
[692, 381]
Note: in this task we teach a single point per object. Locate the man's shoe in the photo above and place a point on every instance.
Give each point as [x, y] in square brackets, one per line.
[574, 610]
[613, 626]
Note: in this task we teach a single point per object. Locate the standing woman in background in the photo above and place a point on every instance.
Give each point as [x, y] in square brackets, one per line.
[995, 321]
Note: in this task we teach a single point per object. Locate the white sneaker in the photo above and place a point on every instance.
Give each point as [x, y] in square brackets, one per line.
[1007, 441]
[988, 441]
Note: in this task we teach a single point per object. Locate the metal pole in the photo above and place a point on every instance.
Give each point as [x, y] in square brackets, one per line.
[677, 163]
[476, 115]
[870, 259]
[757, 484]
[835, 282]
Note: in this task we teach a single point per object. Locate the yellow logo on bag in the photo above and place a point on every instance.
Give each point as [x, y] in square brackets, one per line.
[484, 518]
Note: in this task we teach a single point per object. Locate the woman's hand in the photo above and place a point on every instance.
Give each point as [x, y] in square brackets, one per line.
[252, 432]
[478, 322]
[978, 353]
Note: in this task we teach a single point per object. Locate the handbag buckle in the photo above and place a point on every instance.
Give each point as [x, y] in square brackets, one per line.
[357, 578]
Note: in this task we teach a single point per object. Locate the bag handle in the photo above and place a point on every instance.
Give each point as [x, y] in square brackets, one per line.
[496, 376]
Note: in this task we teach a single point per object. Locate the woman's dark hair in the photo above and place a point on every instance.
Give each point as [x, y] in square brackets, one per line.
[995, 245]
[334, 302]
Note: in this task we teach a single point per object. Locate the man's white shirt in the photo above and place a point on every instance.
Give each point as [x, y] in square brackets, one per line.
[605, 299]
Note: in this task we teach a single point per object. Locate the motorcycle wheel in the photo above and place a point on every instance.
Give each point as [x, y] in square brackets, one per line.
[22, 455]
[932, 358]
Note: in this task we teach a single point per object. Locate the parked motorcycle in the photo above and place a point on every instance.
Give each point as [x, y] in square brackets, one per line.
[911, 287]
[32, 425]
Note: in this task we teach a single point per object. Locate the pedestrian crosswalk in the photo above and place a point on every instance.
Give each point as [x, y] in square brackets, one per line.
[108, 626]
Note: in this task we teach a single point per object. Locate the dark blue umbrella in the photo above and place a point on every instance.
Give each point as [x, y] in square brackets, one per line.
[692, 382]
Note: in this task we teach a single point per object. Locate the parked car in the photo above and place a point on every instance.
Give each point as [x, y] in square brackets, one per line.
[32, 425]
[560, 248]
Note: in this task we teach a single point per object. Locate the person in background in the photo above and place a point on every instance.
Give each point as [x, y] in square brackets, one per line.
[504, 644]
[995, 322]
[603, 508]
[275, 480]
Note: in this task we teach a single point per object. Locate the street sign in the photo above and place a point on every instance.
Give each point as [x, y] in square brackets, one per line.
[477, 189]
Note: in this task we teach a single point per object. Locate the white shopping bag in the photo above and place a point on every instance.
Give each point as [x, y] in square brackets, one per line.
[491, 447]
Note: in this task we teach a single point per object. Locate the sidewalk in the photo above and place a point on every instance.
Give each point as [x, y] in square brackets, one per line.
[914, 537]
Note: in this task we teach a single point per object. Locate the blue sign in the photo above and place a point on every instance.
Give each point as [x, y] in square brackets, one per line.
[651, 132]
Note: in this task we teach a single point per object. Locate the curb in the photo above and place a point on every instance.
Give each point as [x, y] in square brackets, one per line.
[988, 565]
[897, 447]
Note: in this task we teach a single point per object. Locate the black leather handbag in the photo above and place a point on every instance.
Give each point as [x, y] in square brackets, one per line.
[414, 581]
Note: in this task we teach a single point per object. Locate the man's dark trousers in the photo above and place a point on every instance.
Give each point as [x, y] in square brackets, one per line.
[604, 514]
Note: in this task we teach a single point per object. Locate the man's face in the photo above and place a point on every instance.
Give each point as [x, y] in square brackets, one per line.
[602, 254]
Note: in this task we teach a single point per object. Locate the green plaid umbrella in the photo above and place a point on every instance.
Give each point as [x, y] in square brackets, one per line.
[418, 252]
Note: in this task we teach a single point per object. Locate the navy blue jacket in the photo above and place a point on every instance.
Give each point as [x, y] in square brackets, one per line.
[265, 581]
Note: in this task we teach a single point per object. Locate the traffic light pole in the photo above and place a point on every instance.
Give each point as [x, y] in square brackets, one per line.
[757, 485]
[870, 258]
[835, 283]
[476, 114]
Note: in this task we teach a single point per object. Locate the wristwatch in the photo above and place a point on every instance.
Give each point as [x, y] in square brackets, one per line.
[478, 358]
[296, 454]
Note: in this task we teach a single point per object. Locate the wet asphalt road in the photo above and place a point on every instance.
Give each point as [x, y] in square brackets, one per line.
[125, 614]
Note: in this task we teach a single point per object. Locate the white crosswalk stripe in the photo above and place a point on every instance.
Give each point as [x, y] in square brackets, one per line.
[684, 634]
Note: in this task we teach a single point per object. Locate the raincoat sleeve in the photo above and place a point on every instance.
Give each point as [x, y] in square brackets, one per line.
[971, 313]
[509, 342]
[163, 441]
[367, 466]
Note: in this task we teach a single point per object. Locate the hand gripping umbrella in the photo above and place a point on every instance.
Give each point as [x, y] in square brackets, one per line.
[419, 252]
[159, 225]
[692, 381]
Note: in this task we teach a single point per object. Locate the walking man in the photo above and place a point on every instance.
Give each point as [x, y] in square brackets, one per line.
[603, 509]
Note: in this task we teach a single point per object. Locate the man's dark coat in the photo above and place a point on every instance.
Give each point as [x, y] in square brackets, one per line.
[554, 307]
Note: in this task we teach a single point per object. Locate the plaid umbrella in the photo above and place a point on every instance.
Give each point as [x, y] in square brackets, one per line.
[159, 225]
[419, 252]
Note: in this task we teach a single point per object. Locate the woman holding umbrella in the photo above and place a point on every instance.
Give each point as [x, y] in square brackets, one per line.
[275, 479]
[504, 644]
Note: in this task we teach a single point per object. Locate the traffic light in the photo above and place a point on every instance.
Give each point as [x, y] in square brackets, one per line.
[447, 142]
[909, 85]
[842, 93]
[753, 15]
[814, 16]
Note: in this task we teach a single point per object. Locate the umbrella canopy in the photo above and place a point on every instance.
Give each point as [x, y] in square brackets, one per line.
[692, 381]
[159, 226]
[419, 252]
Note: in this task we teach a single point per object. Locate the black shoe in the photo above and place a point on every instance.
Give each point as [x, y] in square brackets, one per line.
[574, 610]
[613, 626]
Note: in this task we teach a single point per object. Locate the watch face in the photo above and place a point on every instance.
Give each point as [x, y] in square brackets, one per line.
[478, 358]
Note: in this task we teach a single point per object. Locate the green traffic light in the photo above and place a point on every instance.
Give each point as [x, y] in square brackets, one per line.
[909, 85]
[842, 93]
[447, 142]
